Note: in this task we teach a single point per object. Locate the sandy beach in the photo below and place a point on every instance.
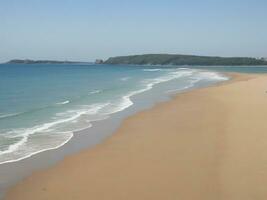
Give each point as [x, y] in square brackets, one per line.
[206, 144]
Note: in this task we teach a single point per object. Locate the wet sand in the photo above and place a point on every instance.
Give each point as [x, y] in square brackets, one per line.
[206, 144]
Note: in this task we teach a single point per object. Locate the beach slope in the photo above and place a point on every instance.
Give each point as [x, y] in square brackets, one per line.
[206, 144]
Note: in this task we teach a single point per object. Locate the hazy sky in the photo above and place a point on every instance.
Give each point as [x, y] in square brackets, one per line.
[89, 29]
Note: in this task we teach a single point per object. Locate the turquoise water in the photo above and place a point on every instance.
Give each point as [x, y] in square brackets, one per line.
[240, 69]
[42, 105]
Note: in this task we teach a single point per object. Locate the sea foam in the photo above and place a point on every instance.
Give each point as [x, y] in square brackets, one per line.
[59, 129]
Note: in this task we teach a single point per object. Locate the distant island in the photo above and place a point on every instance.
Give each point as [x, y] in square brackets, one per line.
[159, 59]
[27, 61]
[176, 59]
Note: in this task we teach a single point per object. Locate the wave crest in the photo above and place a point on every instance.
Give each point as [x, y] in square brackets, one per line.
[63, 102]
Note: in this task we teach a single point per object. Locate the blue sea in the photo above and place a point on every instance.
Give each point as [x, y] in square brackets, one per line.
[43, 105]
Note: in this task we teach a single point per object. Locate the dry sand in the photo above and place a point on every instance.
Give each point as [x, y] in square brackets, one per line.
[207, 144]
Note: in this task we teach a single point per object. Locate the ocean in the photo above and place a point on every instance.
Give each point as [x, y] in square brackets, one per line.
[42, 106]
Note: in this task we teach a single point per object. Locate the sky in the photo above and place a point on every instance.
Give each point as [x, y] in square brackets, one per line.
[85, 30]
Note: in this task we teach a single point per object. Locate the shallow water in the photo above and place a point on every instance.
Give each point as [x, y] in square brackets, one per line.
[42, 105]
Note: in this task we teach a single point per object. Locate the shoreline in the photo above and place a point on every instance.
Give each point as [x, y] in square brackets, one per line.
[114, 146]
[128, 103]
[13, 172]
